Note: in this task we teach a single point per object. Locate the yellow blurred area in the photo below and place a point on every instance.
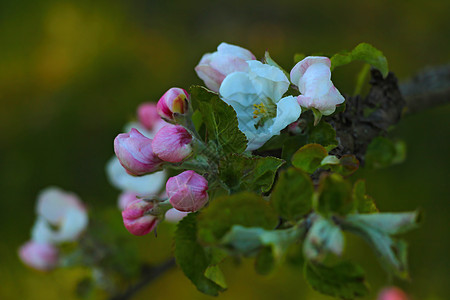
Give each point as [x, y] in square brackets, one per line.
[73, 72]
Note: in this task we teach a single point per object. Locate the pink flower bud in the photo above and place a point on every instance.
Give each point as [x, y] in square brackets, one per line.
[312, 75]
[135, 153]
[172, 143]
[214, 67]
[148, 115]
[187, 191]
[39, 256]
[392, 293]
[136, 220]
[175, 100]
[125, 199]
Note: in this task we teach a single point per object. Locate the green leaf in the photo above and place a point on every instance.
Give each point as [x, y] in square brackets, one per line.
[197, 119]
[323, 237]
[346, 165]
[192, 257]
[364, 52]
[265, 262]
[292, 194]
[335, 195]
[323, 134]
[268, 60]
[376, 230]
[220, 120]
[244, 209]
[364, 203]
[382, 153]
[252, 173]
[214, 274]
[247, 240]
[309, 157]
[345, 280]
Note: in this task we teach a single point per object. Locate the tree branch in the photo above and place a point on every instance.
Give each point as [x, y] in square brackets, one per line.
[427, 89]
[148, 275]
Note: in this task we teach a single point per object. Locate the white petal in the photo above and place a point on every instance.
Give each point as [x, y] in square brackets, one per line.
[42, 232]
[234, 50]
[145, 185]
[238, 88]
[288, 111]
[73, 224]
[300, 68]
[316, 81]
[269, 80]
[53, 204]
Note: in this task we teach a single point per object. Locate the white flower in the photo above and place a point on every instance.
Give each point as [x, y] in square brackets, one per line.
[146, 185]
[256, 96]
[312, 75]
[61, 217]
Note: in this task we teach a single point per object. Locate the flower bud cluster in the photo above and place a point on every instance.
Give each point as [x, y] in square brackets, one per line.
[62, 217]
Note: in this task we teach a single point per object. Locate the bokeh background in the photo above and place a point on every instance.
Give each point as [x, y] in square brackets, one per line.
[73, 72]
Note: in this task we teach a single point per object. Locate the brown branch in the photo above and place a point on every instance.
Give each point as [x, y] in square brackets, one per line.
[149, 274]
[427, 89]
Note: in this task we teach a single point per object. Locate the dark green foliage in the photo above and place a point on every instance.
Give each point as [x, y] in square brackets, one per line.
[249, 173]
[345, 280]
[193, 258]
[244, 209]
[219, 119]
[292, 195]
[335, 195]
[363, 52]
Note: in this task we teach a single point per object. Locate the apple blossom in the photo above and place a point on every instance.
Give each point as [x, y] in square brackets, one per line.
[175, 100]
[146, 185]
[187, 191]
[312, 75]
[257, 98]
[148, 115]
[126, 198]
[135, 153]
[39, 256]
[172, 143]
[214, 67]
[62, 217]
[136, 219]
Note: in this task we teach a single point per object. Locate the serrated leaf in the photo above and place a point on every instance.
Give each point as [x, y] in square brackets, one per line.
[246, 173]
[323, 134]
[345, 280]
[335, 195]
[323, 237]
[192, 257]
[309, 157]
[382, 153]
[220, 120]
[292, 194]
[244, 209]
[376, 230]
[363, 52]
[364, 203]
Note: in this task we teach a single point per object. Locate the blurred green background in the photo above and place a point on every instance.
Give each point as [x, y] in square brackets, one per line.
[73, 72]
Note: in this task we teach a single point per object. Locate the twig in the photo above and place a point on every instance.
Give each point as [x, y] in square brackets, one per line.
[149, 274]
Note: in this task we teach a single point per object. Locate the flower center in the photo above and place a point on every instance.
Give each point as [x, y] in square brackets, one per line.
[264, 111]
